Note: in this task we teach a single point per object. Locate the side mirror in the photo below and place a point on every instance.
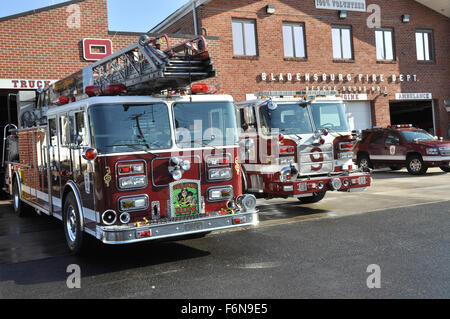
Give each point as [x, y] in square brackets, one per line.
[78, 140]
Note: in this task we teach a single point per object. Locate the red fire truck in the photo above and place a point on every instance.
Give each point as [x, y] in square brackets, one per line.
[298, 144]
[112, 156]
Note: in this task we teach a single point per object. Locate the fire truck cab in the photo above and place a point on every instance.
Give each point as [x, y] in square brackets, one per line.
[124, 166]
[298, 144]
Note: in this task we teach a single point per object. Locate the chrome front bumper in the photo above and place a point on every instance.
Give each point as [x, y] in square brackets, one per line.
[114, 235]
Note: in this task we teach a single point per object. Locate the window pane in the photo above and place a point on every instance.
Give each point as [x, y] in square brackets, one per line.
[419, 46]
[426, 42]
[238, 39]
[346, 44]
[250, 39]
[389, 45]
[336, 34]
[299, 42]
[380, 45]
[287, 39]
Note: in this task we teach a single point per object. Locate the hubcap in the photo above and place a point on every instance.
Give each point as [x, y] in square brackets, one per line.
[16, 201]
[71, 223]
[415, 165]
[363, 163]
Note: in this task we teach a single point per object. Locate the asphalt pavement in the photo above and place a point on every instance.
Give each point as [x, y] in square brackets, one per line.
[400, 225]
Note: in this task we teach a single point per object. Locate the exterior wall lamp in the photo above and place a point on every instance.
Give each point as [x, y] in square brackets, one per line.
[270, 9]
[342, 14]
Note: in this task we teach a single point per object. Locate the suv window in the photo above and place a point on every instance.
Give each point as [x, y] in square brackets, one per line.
[392, 138]
[377, 138]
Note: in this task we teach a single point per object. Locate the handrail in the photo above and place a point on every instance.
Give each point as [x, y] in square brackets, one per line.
[4, 141]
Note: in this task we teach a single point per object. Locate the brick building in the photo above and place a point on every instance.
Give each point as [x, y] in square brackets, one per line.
[398, 72]
[393, 72]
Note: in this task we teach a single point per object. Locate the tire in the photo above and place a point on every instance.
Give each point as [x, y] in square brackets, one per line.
[415, 165]
[317, 197]
[18, 205]
[76, 239]
[395, 168]
[364, 162]
[445, 168]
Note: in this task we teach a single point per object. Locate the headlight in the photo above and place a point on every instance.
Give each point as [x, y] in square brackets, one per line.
[246, 202]
[220, 174]
[133, 203]
[287, 160]
[133, 182]
[432, 151]
[346, 155]
[220, 194]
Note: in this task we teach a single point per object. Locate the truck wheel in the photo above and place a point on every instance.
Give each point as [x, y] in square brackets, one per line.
[18, 205]
[416, 166]
[317, 197]
[364, 162]
[445, 168]
[75, 237]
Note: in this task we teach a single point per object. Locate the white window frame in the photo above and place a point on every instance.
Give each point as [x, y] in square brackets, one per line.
[245, 38]
[294, 41]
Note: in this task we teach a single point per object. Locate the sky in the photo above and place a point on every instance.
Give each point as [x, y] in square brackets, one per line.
[124, 15]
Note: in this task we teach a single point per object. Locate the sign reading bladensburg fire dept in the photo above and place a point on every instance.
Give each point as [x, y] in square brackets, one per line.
[185, 198]
[348, 5]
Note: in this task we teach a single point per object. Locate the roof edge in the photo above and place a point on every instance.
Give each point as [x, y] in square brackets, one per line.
[181, 12]
[30, 12]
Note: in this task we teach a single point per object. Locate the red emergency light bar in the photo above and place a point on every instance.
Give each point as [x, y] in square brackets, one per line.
[203, 88]
[401, 126]
[113, 89]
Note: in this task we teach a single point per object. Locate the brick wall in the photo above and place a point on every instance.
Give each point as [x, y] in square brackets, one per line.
[239, 76]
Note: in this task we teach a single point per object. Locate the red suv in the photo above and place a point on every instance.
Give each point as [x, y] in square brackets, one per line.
[399, 146]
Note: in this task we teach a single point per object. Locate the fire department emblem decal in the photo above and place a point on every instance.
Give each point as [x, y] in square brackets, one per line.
[185, 198]
[392, 149]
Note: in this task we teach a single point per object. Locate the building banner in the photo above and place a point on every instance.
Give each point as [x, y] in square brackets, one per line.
[348, 5]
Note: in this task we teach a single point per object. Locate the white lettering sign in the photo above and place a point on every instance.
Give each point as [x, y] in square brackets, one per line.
[348, 5]
[413, 96]
[354, 97]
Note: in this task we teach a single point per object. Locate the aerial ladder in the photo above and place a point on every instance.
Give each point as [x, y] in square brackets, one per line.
[149, 66]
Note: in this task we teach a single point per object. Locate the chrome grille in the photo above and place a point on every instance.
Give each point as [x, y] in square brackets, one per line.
[315, 160]
[444, 150]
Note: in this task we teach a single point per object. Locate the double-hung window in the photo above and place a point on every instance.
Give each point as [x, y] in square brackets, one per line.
[384, 39]
[244, 37]
[342, 42]
[424, 45]
[294, 40]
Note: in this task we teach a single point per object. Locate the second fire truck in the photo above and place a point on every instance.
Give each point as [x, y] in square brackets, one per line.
[298, 144]
[112, 158]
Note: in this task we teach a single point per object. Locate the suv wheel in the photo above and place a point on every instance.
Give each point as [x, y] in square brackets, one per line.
[364, 161]
[416, 166]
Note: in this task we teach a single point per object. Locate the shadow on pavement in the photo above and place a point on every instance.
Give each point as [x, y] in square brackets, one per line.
[286, 210]
[99, 260]
[402, 174]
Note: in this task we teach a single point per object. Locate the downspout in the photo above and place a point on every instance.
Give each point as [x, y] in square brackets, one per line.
[194, 13]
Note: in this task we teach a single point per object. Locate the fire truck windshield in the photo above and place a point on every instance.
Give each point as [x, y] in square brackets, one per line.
[205, 124]
[127, 128]
[286, 118]
[330, 116]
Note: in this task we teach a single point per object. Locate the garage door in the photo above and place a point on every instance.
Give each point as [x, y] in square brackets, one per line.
[358, 114]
